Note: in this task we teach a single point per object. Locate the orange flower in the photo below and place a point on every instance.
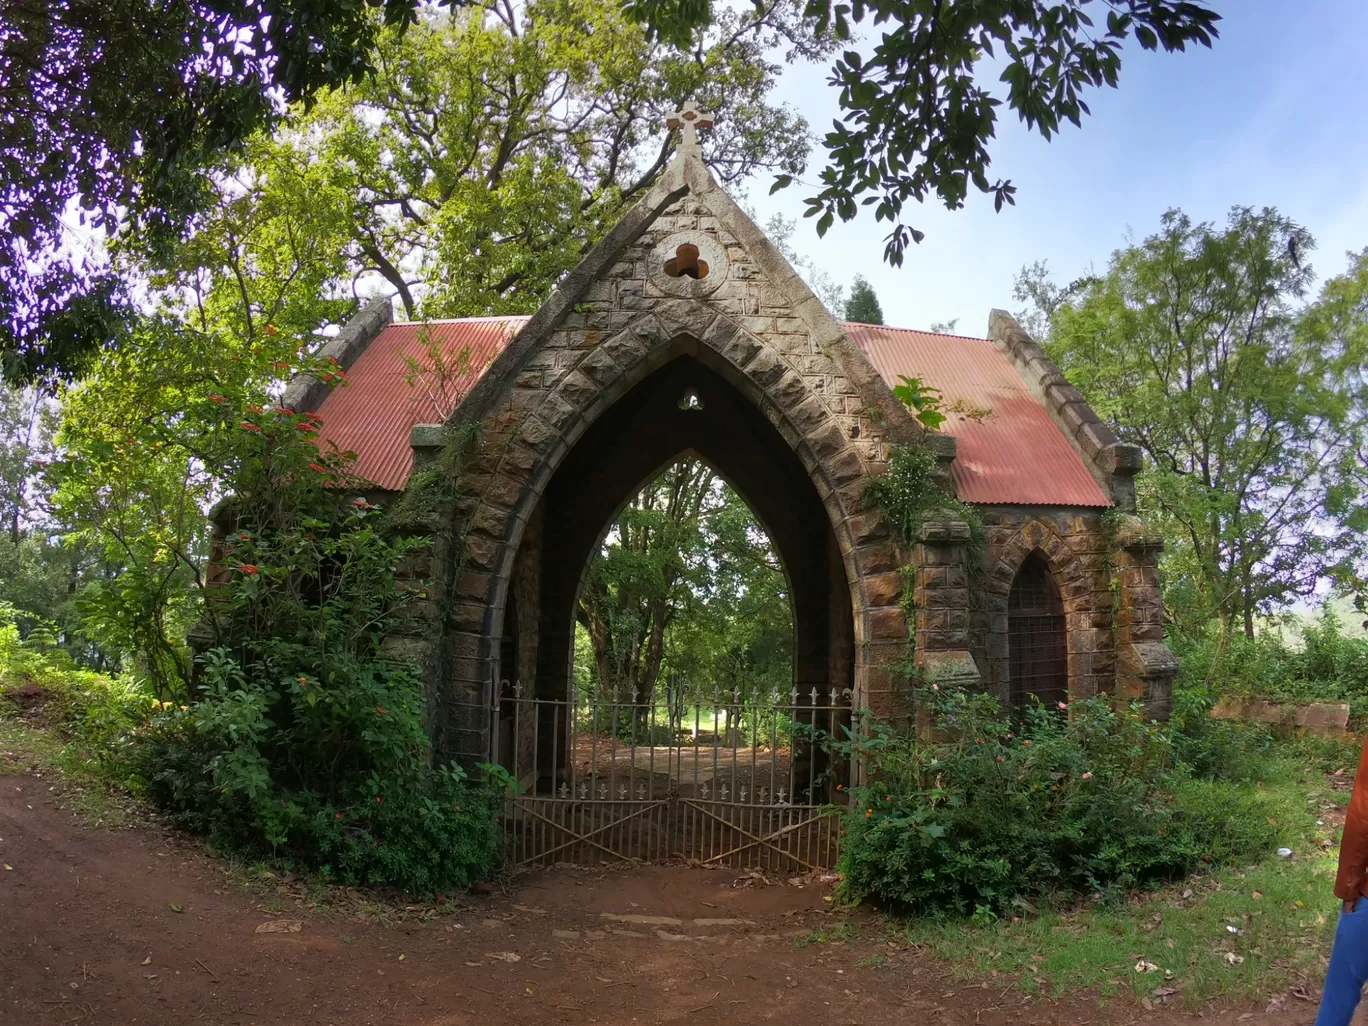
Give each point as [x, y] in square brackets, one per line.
[249, 427]
[1027, 741]
[248, 569]
[868, 813]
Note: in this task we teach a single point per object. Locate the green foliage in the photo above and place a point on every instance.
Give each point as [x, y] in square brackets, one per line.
[1197, 345]
[686, 585]
[305, 742]
[1083, 801]
[910, 490]
[236, 766]
[94, 714]
[1310, 660]
[863, 305]
[922, 399]
[919, 119]
[494, 146]
[122, 107]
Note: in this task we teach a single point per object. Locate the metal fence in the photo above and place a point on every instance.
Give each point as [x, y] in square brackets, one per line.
[738, 777]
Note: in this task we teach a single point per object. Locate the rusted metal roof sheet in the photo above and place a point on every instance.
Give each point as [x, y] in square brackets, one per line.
[1014, 454]
[373, 413]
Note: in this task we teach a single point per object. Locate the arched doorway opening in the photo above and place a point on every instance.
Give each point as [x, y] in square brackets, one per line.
[684, 415]
[1037, 637]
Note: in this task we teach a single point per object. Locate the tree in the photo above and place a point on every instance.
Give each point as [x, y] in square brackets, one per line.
[637, 584]
[687, 584]
[917, 118]
[118, 107]
[1197, 345]
[863, 306]
[494, 147]
[144, 450]
[779, 230]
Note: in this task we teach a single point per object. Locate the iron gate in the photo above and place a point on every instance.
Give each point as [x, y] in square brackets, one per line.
[739, 778]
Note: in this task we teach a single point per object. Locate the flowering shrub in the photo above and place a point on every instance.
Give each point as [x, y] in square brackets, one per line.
[304, 742]
[1073, 800]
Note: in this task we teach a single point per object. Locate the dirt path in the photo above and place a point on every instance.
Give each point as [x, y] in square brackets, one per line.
[90, 933]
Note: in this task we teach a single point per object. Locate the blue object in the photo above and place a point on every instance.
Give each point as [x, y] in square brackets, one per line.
[1348, 970]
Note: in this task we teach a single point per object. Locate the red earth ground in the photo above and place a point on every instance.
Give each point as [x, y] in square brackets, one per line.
[139, 926]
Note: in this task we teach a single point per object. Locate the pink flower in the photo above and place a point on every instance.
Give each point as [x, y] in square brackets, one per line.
[1063, 705]
[1088, 775]
[378, 799]
[1002, 758]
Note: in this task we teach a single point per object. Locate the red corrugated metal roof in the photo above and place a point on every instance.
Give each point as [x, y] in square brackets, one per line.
[1016, 454]
[374, 412]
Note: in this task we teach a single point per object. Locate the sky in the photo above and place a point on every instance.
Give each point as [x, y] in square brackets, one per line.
[1276, 114]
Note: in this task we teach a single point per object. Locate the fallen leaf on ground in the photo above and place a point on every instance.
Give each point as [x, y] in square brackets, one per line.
[1146, 967]
[504, 956]
[177, 908]
[281, 926]
[146, 961]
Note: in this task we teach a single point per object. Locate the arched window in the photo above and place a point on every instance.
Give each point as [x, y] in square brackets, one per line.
[1038, 643]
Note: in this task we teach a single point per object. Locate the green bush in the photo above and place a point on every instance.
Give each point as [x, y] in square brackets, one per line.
[96, 714]
[332, 785]
[1219, 749]
[305, 742]
[1077, 802]
[1313, 661]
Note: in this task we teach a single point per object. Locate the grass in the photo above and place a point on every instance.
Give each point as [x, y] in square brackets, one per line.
[1177, 940]
[843, 931]
[79, 784]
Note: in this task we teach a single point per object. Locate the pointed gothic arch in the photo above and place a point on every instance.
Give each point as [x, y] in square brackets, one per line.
[539, 442]
[1037, 637]
[1038, 542]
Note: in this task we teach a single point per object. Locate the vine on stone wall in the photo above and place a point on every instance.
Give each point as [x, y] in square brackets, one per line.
[909, 493]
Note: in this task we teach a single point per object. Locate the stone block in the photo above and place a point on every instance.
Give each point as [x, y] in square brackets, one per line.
[885, 624]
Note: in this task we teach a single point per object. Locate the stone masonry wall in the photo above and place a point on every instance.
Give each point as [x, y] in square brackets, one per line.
[1075, 547]
[752, 321]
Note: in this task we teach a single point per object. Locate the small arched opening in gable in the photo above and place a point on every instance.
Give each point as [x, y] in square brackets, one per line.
[1037, 636]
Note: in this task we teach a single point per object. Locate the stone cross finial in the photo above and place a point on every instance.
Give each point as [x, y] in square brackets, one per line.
[689, 119]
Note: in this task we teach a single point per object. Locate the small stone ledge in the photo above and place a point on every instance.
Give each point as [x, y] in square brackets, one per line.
[951, 668]
[1322, 717]
[1121, 458]
[1153, 666]
[1133, 535]
[942, 530]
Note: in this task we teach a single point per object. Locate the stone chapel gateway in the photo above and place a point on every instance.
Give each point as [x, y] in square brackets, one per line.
[686, 332]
